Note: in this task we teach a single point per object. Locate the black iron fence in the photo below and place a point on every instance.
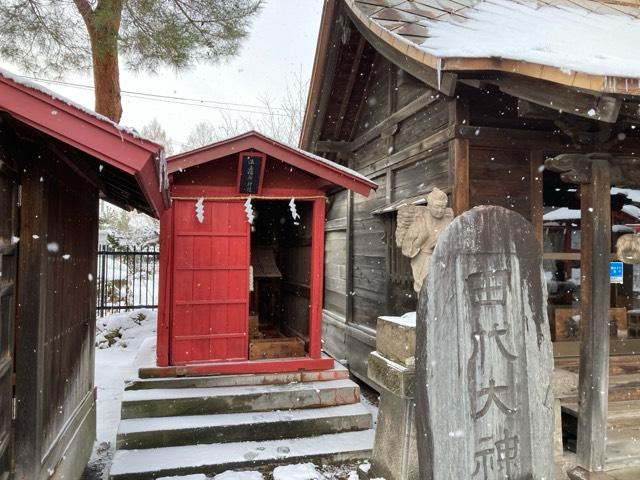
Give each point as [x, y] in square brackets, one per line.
[127, 279]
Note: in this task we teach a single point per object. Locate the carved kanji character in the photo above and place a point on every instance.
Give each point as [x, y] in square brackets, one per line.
[492, 392]
[507, 452]
[484, 460]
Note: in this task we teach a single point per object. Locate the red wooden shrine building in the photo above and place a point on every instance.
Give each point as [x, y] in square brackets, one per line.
[242, 257]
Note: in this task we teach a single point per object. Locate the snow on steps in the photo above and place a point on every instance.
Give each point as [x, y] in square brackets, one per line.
[203, 401]
[235, 427]
[216, 458]
[338, 372]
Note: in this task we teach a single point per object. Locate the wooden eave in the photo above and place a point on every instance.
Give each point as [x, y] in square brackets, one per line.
[299, 159]
[598, 83]
[124, 151]
[439, 73]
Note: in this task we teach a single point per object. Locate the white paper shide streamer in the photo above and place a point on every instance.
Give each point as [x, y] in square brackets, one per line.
[248, 208]
[200, 209]
[294, 211]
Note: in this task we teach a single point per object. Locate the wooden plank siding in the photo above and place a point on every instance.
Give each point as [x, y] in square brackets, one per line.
[56, 318]
[392, 157]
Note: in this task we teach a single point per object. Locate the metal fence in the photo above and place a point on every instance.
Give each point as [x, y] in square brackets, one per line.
[127, 279]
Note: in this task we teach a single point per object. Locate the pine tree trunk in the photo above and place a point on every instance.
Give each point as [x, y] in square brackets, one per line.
[103, 29]
[106, 78]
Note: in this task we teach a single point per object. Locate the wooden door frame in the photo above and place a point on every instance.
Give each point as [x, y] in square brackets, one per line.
[314, 359]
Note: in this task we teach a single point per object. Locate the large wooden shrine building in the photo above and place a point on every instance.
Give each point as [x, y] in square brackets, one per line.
[56, 160]
[473, 98]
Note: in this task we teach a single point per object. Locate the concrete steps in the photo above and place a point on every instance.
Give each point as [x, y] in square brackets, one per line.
[623, 432]
[338, 372]
[211, 459]
[207, 425]
[164, 402]
[236, 427]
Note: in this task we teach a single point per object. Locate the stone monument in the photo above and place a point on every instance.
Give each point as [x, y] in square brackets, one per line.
[483, 354]
[418, 230]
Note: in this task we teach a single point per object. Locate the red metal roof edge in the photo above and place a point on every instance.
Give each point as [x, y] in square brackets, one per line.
[321, 167]
[115, 145]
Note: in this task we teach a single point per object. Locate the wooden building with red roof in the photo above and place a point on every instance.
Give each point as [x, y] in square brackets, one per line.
[57, 160]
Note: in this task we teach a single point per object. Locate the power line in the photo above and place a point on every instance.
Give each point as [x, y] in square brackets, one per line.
[193, 102]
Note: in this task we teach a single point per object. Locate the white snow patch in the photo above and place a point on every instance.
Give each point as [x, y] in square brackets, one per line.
[562, 213]
[115, 363]
[632, 194]
[568, 37]
[197, 476]
[194, 456]
[231, 475]
[406, 320]
[301, 471]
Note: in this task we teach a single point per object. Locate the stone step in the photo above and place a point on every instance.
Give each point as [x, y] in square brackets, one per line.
[214, 458]
[623, 432]
[159, 432]
[170, 402]
[338, 372]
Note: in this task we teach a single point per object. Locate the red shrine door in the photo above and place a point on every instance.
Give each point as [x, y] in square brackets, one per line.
[210, 290]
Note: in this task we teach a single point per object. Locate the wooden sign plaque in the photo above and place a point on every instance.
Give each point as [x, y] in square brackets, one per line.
[250, 172]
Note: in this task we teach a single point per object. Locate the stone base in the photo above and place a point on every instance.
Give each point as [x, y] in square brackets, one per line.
[395, 452]
[579, 473]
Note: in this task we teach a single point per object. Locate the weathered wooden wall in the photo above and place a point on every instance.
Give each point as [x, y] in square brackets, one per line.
[398, 114]
[296, 271]
[480, 145]
[56, 317]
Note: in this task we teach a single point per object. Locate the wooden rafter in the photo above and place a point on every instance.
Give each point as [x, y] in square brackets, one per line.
[353, 75]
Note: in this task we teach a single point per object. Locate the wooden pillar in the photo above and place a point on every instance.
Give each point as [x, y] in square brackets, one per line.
[164, 290]
[536, 193]
[349, 263]
[459, 158]
[594, 317]
[317, 278]
[593, 173]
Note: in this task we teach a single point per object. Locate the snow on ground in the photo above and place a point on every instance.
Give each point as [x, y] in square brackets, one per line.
[302, 471]
[123, 342]
[126, 341]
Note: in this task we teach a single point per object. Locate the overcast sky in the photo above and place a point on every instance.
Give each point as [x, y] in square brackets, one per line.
[281, 43]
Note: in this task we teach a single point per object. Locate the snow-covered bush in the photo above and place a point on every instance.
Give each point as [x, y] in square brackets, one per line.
[118, 330]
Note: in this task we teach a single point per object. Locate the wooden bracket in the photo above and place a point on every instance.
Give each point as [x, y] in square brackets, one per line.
[576, 168]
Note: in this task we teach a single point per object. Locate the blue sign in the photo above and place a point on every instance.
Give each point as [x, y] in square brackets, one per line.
[615, 271]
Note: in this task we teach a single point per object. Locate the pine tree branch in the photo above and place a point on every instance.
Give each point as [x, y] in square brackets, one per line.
[193, 23]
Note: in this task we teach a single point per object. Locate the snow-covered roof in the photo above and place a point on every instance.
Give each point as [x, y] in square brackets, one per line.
[562, 213]
[314, 164]
[587, 43]
[565, 214]
[563, 35]
[61, 98]
[632, 194]
[135, 173]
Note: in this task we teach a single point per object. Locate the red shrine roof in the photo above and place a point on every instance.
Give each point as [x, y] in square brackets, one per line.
[132, 169]
[308, 162]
